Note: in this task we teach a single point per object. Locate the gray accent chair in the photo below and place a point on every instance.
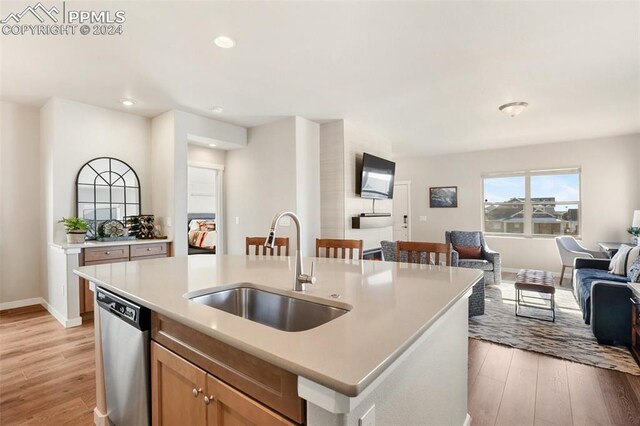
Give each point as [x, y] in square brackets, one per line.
[476, 300]
[490, 262]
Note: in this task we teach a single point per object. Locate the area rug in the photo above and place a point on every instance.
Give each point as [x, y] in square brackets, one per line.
[568, 338]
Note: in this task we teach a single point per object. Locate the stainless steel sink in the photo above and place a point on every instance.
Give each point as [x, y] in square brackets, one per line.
[271, 309]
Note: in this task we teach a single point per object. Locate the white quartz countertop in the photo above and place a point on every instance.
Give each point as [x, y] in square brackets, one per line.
[391, 305]
[92, 243]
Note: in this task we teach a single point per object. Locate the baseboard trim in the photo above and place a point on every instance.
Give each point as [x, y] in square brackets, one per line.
[22, 303]
[66, 322]
[467, 421]
[100, 419]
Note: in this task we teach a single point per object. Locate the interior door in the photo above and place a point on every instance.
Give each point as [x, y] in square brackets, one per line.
[401, 230]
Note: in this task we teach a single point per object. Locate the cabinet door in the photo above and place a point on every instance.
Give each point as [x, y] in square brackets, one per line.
[177, 390]
[228, 407]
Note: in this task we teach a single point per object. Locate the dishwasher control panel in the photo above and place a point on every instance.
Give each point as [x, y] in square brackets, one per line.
[125, 309]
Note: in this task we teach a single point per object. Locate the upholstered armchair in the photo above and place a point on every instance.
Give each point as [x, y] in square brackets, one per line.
[488, 261]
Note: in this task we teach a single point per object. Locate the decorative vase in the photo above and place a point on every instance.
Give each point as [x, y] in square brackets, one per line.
[76, 237]
[635, 240]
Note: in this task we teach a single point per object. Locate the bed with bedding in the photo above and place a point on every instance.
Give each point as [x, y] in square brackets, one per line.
[203, 237]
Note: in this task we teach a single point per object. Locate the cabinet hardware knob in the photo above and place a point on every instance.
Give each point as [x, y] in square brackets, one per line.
[207, 400]
[148, 249]
[196, 392]
[107, 252]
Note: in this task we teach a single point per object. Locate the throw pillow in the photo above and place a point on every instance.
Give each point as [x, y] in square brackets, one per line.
[207, 225]
[623, 259]
[634, 271]
[469, 252]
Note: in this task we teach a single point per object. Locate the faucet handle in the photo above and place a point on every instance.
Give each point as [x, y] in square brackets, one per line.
[309, 278]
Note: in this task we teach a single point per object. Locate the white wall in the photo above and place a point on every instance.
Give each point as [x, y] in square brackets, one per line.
[610, 176]
[76, 133]
[278, 170]
[202, 154]
[20, 205]
[341, 143]
[308, 182]
[170, 140]
[260, 181]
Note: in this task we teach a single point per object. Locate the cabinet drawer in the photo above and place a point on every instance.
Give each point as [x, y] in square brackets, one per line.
[144, 250]
[94, 254]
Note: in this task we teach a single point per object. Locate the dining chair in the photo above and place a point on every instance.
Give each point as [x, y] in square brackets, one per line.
[336, 248]
[416, 251]
[281, 245]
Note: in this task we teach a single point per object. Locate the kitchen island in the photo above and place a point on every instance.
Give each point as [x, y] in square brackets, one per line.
[398, 356]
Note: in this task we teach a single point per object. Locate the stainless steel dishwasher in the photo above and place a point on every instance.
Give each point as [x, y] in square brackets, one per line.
[125, 351]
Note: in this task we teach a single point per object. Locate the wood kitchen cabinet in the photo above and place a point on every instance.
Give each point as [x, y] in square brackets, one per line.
[182, 393]
[177, 390]
[101, 254]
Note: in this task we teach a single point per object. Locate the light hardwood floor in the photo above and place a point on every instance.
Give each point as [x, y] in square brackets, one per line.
[513, 387]
[47, 372]
[47, 377]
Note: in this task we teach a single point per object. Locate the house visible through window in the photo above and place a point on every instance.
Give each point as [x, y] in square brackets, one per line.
[545, 202]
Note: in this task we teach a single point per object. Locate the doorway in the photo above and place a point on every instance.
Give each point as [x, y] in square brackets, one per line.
[401, 211]
[204, 208]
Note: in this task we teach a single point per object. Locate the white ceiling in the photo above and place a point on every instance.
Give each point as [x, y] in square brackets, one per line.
[427, 75]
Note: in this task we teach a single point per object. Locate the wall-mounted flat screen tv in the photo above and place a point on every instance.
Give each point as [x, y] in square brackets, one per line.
[377, 177]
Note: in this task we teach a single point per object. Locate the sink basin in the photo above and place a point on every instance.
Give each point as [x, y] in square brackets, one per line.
[271, 309]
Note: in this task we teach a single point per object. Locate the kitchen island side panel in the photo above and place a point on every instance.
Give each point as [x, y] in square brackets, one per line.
[428, 387]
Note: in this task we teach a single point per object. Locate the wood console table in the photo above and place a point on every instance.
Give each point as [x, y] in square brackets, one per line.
[69, 296]
[98, 255]
[635, 321]
[610, 248]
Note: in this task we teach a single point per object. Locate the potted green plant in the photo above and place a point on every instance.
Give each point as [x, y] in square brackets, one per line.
[76, 229]
[635, 235]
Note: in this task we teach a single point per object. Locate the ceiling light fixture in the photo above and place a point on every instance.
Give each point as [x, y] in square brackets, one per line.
[224, 42]
[513, 108]
[212, 145]
[127, 102]
[217, 110]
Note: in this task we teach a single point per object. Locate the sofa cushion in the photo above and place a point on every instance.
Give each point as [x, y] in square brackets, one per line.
[466, 238]
[476, 264]
[469, 252]
[585, 278]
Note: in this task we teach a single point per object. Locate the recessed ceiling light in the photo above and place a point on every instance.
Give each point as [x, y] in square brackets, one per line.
[127, 102]
[513, 108]
[212, 145]
[224, 42]
[217, 110]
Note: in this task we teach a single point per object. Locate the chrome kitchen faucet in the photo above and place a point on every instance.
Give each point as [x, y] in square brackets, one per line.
[299, 278]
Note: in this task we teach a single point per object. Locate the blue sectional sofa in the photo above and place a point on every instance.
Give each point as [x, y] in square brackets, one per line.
[604, 300]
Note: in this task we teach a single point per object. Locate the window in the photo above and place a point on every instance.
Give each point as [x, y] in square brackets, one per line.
[533, 203]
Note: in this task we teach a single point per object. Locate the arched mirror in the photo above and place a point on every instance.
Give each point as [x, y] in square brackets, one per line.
[106, 188]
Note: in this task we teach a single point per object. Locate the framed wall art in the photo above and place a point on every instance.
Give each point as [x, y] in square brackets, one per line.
[443, 196]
